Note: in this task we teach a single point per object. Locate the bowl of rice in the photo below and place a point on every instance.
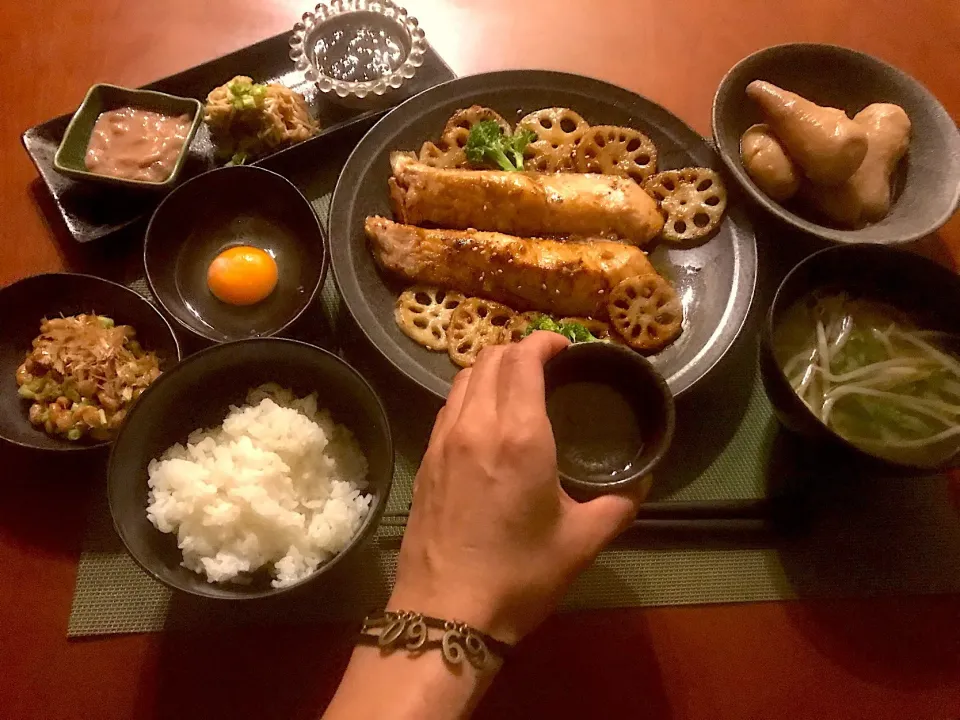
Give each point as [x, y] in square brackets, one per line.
[251, 468]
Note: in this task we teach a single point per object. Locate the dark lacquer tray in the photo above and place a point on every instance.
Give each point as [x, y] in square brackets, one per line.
[91, 211]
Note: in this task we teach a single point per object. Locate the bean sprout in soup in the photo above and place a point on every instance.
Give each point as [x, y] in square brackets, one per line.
[874, 376]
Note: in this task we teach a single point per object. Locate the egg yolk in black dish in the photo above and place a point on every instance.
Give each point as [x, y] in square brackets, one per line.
[242, 275]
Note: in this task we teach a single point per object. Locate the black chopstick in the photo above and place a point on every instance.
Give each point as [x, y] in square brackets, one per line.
[698, 528]
[755, 509]
[706, 519]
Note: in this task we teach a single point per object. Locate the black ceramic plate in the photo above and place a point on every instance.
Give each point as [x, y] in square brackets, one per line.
[91, 211]
[715, 280]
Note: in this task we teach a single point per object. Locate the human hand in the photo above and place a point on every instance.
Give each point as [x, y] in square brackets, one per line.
[493, 540]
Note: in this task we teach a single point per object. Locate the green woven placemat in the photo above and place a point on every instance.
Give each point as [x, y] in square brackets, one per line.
[866, 535]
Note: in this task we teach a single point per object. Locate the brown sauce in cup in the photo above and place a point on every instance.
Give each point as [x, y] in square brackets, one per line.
[597, 430]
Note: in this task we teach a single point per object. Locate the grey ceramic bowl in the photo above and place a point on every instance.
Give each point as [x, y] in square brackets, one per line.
[69, 159]
[927, 182]
[196, 394]
[612, 414]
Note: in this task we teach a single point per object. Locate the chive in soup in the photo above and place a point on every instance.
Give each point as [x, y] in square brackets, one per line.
[873, 376]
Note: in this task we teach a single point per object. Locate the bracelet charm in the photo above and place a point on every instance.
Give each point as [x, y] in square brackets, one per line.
[410, 631]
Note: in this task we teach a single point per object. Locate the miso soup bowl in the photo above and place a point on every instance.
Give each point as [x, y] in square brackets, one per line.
[914, 285]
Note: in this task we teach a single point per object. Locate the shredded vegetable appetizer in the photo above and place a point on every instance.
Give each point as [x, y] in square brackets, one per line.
[248, 119]
[872, 376]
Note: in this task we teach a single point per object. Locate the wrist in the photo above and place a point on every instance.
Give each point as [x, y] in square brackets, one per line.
[408, 685]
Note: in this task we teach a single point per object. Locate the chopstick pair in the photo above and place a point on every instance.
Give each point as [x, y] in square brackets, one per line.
[700, 515]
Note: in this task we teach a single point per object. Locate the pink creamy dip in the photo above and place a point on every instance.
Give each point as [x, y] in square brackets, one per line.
[136, 144]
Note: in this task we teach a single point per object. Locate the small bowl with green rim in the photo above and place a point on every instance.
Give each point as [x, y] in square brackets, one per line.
[70, 156]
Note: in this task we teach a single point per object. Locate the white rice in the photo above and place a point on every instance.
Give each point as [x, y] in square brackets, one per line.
[278, 484]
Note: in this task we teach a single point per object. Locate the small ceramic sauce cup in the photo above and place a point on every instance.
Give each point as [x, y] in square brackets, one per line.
[612, 414]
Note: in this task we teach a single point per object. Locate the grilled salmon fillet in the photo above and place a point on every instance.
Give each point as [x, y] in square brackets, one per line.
[523, 203]
[564, 278]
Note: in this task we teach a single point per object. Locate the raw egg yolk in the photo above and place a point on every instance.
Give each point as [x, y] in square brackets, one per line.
[242, 275]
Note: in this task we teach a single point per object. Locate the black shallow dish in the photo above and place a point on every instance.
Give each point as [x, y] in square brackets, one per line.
[221, 209]
[91, 213]
[197, 393]
[24, 303]
[715, 280]
[612, 415]
[927, 181]
[904, 280]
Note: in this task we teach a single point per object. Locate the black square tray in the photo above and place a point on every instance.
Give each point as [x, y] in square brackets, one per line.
[91, 211]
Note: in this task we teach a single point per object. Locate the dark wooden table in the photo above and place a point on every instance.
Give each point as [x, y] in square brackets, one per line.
[868, 658]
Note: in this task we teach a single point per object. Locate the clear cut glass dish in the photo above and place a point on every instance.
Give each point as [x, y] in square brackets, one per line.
[358, 52]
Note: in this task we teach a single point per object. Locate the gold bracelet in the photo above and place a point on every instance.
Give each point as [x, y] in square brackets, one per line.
[410, 631]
